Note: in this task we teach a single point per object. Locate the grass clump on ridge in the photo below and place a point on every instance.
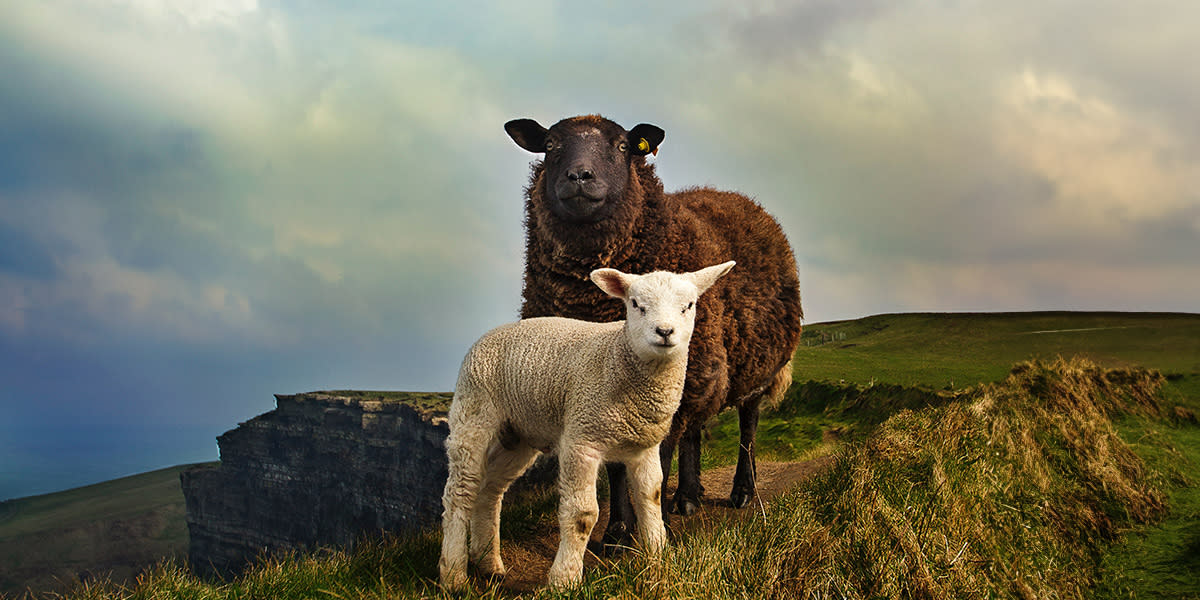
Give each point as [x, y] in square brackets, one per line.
[1012, 490]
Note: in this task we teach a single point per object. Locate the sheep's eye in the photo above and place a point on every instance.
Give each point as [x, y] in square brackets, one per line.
[634, 301]
[623, 146]
[689, 306]
[550, 146]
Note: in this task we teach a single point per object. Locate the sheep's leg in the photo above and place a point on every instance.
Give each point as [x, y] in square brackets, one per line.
[618, 535]
[666, 455]
[466, 449]
[687, 495]
[747, 471]
[503, 467]
[577, 511]
[743, 478]
[645, 482]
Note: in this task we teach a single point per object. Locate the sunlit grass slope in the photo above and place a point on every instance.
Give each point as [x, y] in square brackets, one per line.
[1015, 489]
[892, 396]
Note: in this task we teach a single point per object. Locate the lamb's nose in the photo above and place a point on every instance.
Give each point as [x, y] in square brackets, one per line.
[664, 331]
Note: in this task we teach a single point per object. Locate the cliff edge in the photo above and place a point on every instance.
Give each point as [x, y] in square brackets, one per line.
[322, 469]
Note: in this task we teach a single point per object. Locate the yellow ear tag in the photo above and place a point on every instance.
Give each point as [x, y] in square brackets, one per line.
[643, 145]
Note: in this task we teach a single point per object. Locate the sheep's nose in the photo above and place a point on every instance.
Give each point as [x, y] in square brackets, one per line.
[664, 331]
[580, 174]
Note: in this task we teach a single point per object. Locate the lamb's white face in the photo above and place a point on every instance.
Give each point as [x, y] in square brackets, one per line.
[660, 313]
[660, 307]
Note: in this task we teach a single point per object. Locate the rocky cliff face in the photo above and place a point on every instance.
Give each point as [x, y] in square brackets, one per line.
[322, 469]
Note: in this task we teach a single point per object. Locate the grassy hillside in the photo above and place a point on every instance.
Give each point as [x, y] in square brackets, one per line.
[852, 377]
[1016, 489]
[111, 528]
[962, 349]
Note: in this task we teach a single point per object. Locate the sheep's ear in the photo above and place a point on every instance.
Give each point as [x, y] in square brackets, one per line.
[528, 134]
[645, 138]
[704, 278]
[613, 282]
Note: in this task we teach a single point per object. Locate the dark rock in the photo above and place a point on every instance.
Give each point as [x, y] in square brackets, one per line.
[322, 469]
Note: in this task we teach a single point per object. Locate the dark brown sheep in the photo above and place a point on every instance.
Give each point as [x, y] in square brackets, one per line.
[594, 202]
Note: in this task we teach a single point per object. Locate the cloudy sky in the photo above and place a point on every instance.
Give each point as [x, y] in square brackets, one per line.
[203, 202]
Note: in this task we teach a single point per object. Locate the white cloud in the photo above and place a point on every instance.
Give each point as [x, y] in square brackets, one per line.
[1108, 167]
[101, 298]
[194, 12]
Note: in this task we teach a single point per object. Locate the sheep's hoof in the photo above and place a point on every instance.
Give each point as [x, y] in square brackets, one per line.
[685, 506]
[617, 539]
[740, 499]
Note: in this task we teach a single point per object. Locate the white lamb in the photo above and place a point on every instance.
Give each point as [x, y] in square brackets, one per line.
[590, 391]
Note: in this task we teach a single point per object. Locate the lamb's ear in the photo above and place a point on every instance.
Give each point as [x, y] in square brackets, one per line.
[704, 278]
[645, 138]
[528, 134]
[613, 282]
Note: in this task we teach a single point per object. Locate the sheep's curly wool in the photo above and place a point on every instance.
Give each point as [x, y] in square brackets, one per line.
[747, 327]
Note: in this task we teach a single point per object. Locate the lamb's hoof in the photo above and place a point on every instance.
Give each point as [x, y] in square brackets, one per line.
[685, 506]
[616, 540]
[494, 572]
[454, 582]
[740, 499]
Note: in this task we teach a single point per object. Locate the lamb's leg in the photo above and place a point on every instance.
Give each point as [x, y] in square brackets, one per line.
[503, 467]
[645, 483]
[687, 495]
[743, 478]
[466, 449]
[618, 535]
[577, 511]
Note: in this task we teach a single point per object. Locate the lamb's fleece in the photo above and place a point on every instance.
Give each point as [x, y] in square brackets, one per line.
[590, 391]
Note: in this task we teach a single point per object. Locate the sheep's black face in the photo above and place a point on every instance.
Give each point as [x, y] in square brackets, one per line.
[587, 162]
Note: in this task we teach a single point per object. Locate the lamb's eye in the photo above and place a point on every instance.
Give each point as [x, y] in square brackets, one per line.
[634, 301]
[689, 306]
[623, 146]
[550, 146]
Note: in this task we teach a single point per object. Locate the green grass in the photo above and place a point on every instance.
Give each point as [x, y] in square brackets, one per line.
[1013, 490]
[120, 498]
[962, 349]
[45, 541]
[851, 375]
[432, 401]
[858, 382]
[1161, 560]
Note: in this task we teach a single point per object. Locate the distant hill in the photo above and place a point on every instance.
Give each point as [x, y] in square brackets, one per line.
[115, 528]
[956, 350]
[121, 526]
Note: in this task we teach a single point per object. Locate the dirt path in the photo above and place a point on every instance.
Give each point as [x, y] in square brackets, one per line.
[529, 561]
